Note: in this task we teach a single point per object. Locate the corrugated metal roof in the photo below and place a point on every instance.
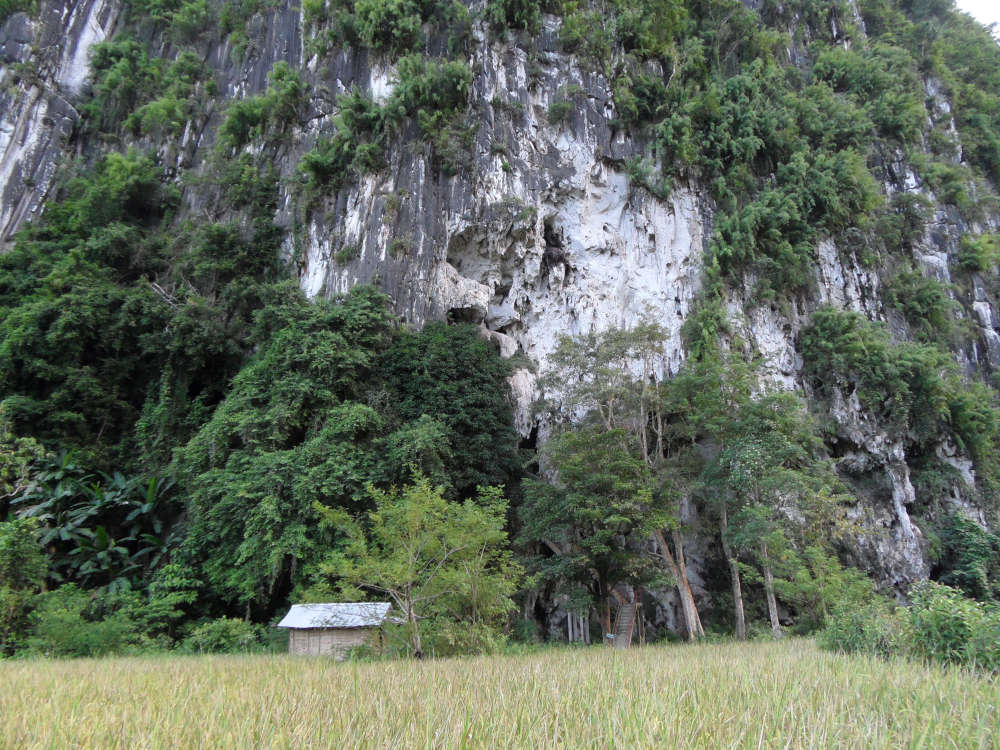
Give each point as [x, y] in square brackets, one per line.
[336, 615]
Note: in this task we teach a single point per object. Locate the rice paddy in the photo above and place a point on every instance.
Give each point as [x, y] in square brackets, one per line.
[767, 695]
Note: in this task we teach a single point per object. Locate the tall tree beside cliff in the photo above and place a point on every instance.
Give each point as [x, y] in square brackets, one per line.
[590, 519]
[612, 381]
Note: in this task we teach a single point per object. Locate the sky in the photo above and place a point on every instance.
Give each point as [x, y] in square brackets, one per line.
[985, 11]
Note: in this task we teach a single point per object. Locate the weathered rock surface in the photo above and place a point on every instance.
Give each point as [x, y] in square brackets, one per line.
[542, 234]
[44, 68]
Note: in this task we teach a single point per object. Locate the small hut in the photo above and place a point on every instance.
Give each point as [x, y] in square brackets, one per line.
[334, 629]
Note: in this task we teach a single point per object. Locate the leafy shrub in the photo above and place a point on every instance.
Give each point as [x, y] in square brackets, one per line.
[234, 15]
[400, 247]
[346, 254]
[975, 422]
[123, 77]
[23, 565]
[900, 224]
[514, 14]
[355, 149]
[816, 584]
[125, 80]
[189, 22]
[15, 608]
[436, 89]
[64, 624]
[648, 28]
[970, 557]
[925, 303]
[639, 98]
[152, 11]
[878, 629]
[641, 172]
[942, 622]
[452, 146]
[23, 568]
[447, 637]
[314, 12]
[983, 649]
[588, 34]
[914, 387]
[703, 326]
[777, 232]
[882, 79]
[950, 183]
[747, 136]
[560, 110]
[393, 25]
[178, 101]
[979, 252]
[940, 625]
[225, 635]
[968, 60]
[431, 92]
[270, 113]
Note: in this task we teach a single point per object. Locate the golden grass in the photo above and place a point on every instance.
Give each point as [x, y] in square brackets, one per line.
[772, 695]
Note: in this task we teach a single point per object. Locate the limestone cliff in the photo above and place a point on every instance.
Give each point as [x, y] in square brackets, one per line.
[542, 232]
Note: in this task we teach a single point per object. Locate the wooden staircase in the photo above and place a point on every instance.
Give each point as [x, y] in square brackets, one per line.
[624, 625]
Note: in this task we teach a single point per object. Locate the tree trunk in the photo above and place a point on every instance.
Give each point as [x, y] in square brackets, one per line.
[605, 613]
[734, 574]
[643, 437]
[692, 623]
[682, 564]
[411, 618]
[772, 603]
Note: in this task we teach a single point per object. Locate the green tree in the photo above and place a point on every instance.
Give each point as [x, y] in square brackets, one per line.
[608, 382]
[433, 559]
[756, 459]
[700, 403]
[588, 518]
[16, 457]
[290, 433]
[450, 374]
[23, 568]
[764, 466]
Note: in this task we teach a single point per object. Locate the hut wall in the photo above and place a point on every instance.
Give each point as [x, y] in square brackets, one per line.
[328, 641]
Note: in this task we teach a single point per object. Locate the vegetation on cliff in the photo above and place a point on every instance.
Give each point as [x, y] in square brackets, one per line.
[187, 442]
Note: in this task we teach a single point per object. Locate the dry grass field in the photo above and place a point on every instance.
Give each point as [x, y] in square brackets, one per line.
[772, 695]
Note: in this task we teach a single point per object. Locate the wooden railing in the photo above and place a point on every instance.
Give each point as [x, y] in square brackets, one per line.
[625, 625]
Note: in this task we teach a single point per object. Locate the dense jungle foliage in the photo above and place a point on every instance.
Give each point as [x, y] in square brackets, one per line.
[188, 443]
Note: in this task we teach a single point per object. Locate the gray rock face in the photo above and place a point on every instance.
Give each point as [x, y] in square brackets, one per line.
[542, 233]
[44, 71]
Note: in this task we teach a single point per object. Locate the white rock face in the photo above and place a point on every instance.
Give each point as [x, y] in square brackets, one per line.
[891, 539]
[92, 23]
[846, 287]
[551, 239]
[524, 390]
[37, 118]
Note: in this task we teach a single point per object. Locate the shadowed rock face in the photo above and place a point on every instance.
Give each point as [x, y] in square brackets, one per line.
[540, 233]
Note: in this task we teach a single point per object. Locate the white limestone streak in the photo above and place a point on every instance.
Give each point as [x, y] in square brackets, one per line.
[74, 67]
